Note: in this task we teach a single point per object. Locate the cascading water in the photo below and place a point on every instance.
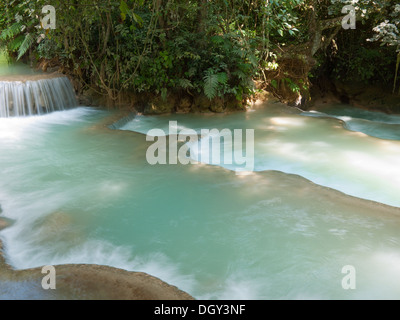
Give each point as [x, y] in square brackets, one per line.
[35, 96]
[212, 233]
[269, 234]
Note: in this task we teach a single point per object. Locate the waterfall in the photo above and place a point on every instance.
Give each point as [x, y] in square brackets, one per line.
[35, 97]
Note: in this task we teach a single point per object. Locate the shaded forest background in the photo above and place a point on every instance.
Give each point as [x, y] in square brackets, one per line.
[183, 55]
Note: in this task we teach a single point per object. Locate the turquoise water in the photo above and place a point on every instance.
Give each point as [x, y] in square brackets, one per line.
[82, 193]
[375, 124]
[321, 149]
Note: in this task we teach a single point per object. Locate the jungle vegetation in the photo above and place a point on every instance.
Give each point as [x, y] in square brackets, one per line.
[220, 50]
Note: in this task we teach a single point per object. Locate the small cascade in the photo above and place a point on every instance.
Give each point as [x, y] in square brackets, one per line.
[35, 96]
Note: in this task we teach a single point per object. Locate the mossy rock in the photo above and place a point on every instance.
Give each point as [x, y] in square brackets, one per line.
[184, 104]
[159, 105]
[217, 105]
[201, 104]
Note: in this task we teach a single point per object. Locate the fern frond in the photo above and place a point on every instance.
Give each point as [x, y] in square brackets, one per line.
[238, 51]
[192, 71]
[16, 43]
[11, 31]
[222, 78]
[217, 39]
[210, 84]
[25, 45]
[185, 83]
[240, 74]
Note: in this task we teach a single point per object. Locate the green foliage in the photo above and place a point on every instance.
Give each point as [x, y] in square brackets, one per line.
[11, 32]
[156, 46]
[292, 85]
[361, 64]
[25, 45]
[210, 84]
[216, 48]
[47, 49]
[19, 25]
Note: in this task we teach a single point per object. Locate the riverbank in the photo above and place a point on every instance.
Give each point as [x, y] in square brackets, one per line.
[323, 91]
[359, 95]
